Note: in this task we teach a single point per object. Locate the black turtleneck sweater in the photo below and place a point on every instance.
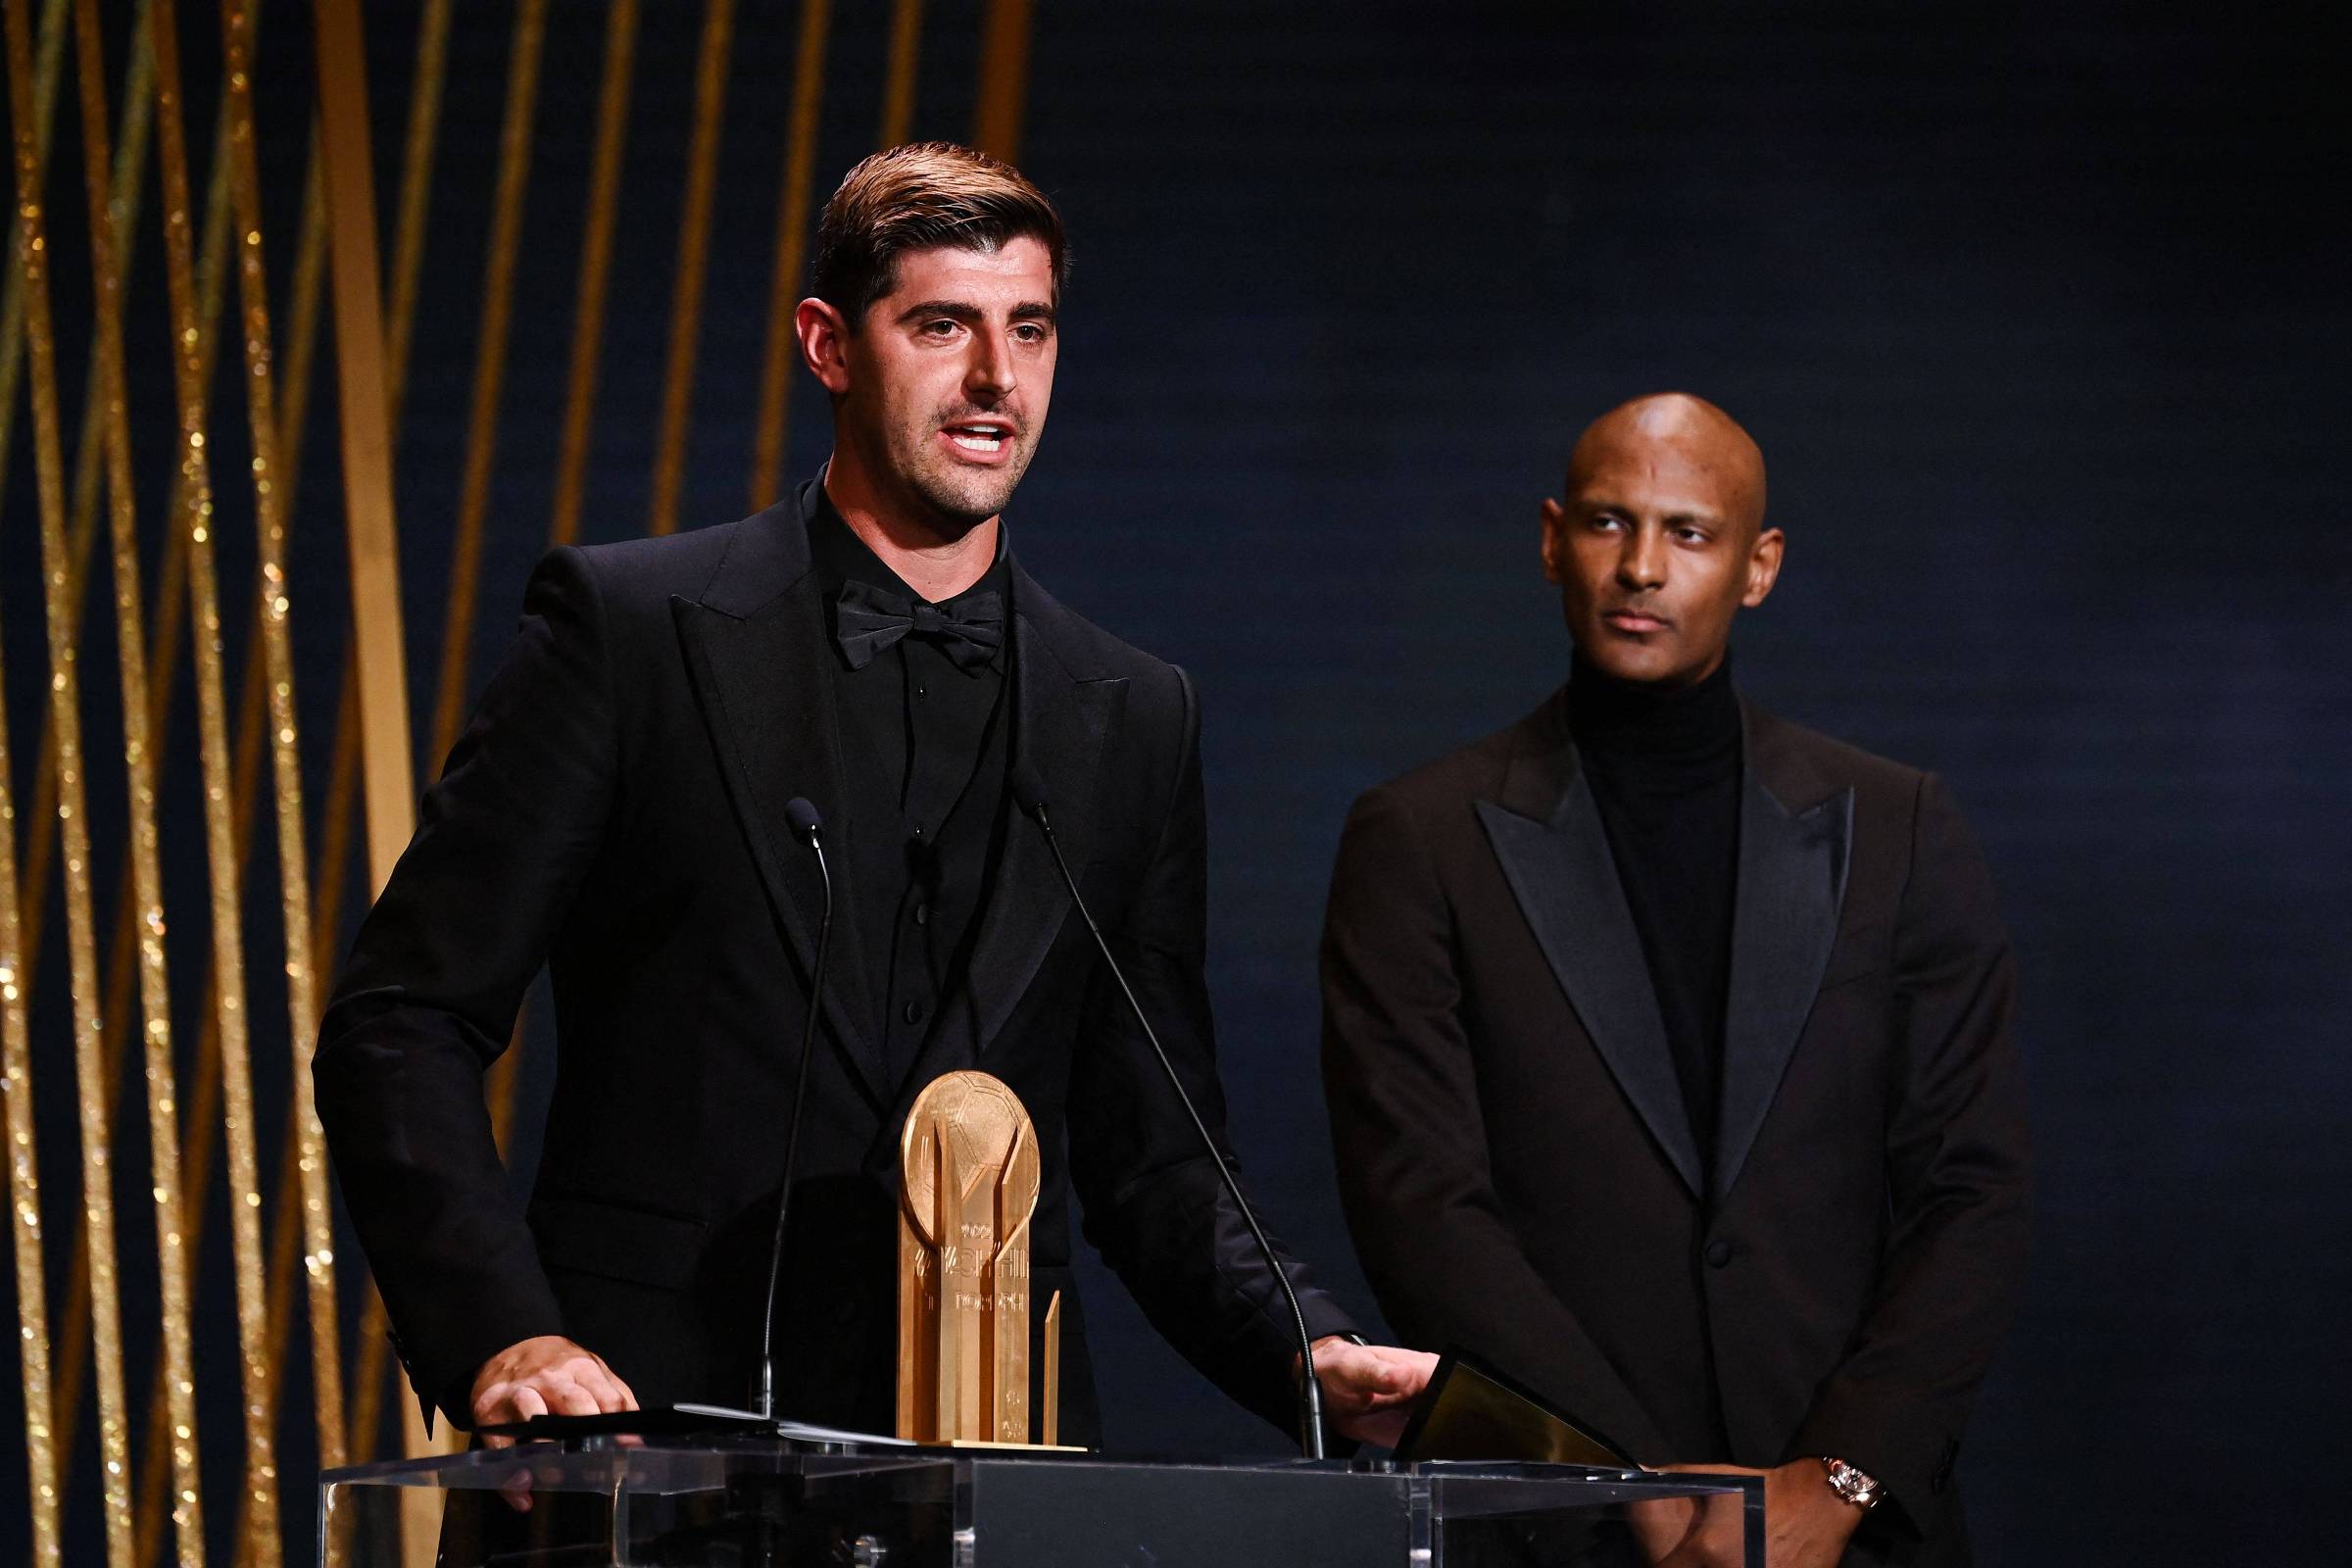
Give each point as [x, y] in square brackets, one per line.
[1664, 765]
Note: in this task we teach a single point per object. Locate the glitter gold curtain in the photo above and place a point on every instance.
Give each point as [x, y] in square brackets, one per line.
[170, 1218]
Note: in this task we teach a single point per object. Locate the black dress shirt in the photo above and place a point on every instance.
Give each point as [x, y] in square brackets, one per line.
[923, 745]
[1665, 773]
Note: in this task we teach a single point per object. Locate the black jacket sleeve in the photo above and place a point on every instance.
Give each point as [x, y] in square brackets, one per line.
[1411, 1143]
[1153, 1206]
[1956, 1164]
[428, 995]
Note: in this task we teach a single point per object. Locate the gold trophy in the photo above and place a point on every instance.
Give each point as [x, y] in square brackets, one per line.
[968, 1174]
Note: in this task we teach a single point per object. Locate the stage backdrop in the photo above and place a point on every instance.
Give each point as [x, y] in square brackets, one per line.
[2040, 315]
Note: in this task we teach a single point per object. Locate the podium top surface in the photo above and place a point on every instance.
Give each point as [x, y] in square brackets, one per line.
[659, 1464]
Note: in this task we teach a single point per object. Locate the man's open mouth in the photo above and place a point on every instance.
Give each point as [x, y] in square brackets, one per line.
[982, 436]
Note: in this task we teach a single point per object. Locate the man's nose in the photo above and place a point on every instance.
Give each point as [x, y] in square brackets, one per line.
[989, 374]
[1641, 564]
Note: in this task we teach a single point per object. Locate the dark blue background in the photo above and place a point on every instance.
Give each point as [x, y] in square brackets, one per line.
[2040, 315]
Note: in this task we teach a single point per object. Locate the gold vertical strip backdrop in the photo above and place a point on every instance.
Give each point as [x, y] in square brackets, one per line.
[1004, 79]
[24, 1195]
[305, 1204]
[897, 82]
[693, 249]
[97, 1155]
[481, 440]
[772, 435]
[294, 891]
[40, 840]
[367, 440]
[177, 1406]
[415, 193]
[220, 852]
[42, 1479]
[596, 270]
[186, 1134]
[164, 644]
[371, 1352]
[51, 58]
[90, 450]
[489, 368]
[369, 527]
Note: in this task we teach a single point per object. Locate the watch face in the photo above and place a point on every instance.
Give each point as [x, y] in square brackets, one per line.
[1851, 1484]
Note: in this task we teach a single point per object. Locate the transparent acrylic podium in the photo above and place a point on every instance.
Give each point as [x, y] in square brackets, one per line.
[759, 1500]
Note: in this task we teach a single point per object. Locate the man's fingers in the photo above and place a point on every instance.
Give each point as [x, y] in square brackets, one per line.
[589, 1372]
[520, 1402]
[571, 1399]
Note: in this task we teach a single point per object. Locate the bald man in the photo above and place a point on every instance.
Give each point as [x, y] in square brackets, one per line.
[1667, 1043]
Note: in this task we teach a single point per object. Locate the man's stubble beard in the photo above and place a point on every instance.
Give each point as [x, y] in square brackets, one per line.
[957, 497]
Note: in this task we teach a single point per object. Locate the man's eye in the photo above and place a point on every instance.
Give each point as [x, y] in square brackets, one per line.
[1030, 332]
[941, 327]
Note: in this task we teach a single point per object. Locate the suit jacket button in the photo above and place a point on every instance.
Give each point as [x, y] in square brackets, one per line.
[1718, 1254]
[914, 1013]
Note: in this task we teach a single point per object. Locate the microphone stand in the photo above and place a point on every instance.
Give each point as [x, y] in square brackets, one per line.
[1310, 1391]
[807, 823]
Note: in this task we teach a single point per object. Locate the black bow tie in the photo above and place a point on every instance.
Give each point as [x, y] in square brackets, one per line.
[866, 620]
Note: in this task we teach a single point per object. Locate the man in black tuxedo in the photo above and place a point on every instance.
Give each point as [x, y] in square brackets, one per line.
[1667, 1043]
[617, 809]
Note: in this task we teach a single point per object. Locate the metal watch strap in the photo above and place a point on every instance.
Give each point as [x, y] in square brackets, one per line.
[1852, 1484]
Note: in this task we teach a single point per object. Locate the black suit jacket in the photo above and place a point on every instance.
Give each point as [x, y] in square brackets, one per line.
[1521, 1178]
[615, 810]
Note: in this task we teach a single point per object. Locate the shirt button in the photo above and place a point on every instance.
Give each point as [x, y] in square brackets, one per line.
[923, 691]
[923, 915]
[914, 1013]
[1718, 1254]
[918, 830]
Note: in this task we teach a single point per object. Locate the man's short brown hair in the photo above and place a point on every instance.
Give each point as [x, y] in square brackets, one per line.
[916, 197]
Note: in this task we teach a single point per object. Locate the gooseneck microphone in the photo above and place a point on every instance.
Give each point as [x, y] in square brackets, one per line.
[1031, 796]
[810, 827]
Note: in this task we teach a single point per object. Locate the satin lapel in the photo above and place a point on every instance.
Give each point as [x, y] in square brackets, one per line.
[761, 681]
[1059, 721]
[1792, 869]
[1554, 853]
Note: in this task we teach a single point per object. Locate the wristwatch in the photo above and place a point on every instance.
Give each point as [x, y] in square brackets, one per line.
[1850, 1483]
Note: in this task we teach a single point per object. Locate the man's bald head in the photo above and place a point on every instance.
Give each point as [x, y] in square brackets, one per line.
[1660, 538]
[1682, 429]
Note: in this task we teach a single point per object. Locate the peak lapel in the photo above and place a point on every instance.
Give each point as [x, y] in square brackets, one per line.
[1791, 885]
[756, 645]
[1547, 832]
[1058, 723]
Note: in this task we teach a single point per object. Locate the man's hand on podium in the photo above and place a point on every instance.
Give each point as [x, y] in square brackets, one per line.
[1367, 1388]
[546, 1375]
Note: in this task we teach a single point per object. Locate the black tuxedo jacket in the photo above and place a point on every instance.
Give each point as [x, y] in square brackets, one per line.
[615, 810]
[1522, 1180]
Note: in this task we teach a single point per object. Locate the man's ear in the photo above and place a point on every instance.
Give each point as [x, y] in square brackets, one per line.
[1763, 568]
[1556, 518]
[824, 337]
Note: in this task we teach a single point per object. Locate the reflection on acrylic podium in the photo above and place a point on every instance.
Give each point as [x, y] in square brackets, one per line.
[745, 1499]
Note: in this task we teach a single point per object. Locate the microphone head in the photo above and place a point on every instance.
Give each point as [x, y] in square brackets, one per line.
[806, 821]
[1028, 790]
